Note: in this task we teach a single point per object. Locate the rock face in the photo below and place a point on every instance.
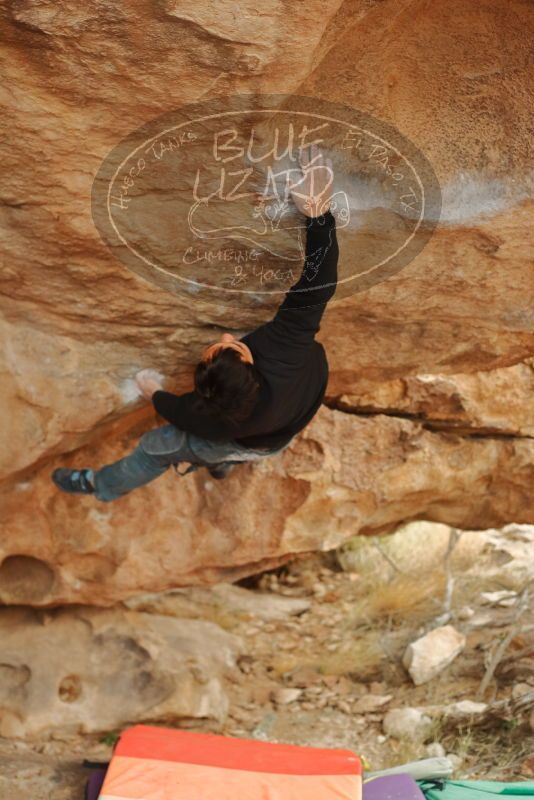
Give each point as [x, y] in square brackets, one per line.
[429, 655]
[90, 671]
[431, 370]
[258, 605]
[407, 723]
[343, 475]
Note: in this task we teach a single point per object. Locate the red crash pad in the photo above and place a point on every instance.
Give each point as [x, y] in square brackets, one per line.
[152, 763]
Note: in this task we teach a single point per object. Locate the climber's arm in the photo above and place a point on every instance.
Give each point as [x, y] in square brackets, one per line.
[298, 318]
[148, 383]
[300, 314]
[185, 411]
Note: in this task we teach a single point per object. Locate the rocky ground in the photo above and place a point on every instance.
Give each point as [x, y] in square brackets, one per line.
[320, 657]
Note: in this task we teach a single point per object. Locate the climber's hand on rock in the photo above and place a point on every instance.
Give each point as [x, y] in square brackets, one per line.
[148, 382]
[312, 191]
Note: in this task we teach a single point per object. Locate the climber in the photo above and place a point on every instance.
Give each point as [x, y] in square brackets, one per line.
[252, 395]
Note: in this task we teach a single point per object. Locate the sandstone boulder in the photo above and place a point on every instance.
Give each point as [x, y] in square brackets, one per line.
[430, 412]
[428, 656]
[407, 724]
[344, 475]
[370, 703]
[85, 671]
[284, 696]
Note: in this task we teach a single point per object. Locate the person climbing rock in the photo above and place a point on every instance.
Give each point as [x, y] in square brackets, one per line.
[252, 395]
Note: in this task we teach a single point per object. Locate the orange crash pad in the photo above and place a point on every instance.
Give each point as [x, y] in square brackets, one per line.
[151, 763]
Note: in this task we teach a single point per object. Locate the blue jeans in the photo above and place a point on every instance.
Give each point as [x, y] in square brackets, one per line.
[161, 447]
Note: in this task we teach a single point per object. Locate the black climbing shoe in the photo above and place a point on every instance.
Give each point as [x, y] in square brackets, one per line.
[220, 471]
[74, 481]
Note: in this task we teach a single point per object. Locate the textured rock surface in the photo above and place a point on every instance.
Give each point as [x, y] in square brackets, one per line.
[407, 723]
[347, 674]
[26, 775]
[428, 656]
[90, 671]
[448, 341]
[344, 475]
[259, 605]
[496, 401]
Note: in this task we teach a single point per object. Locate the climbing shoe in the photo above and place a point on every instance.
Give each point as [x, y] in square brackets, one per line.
[74, 481]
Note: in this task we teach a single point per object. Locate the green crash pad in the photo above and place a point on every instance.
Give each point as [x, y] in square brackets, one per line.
[474, 790]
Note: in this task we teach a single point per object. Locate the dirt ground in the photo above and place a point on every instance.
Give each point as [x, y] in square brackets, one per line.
[343, 659]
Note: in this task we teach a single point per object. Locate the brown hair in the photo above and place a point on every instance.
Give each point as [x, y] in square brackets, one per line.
[228, 386]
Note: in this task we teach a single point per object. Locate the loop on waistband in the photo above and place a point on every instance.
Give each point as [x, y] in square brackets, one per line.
[190, 468]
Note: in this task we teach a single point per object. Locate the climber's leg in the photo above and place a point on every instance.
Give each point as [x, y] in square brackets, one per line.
[134, 470]
[221, 457]
[156, 451]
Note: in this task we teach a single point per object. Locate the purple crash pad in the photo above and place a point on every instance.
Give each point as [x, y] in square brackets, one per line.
[94, 784]
[392, 787]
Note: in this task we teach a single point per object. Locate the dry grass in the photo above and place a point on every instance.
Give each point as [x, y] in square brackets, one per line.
[491, 754]
[495, 754]
[407, 598]
[359, 659]
[401, 752]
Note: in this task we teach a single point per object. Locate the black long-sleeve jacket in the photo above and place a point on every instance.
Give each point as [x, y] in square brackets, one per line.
[291, 364]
